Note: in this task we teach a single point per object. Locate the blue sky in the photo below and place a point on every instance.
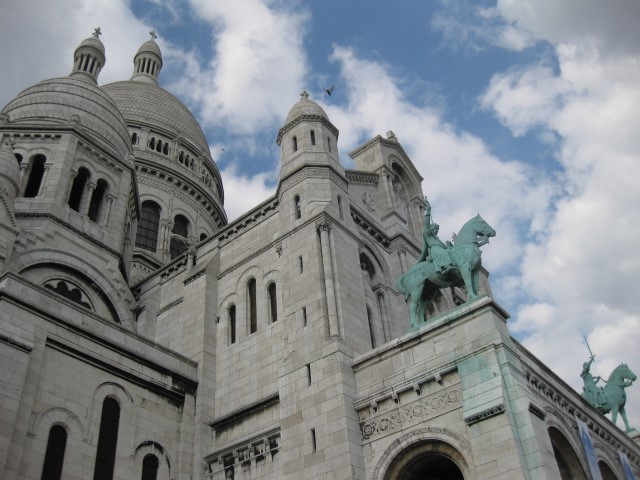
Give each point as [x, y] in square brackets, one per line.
[527, 111]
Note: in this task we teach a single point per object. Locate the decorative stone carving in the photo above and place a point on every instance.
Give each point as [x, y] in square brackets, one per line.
[417, 411]
[369, 201]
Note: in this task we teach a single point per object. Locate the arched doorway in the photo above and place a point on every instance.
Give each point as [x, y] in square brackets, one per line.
[566, 458]
[605, 470]
[427, 460]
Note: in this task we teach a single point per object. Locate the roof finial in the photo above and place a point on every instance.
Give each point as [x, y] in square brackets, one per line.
[153, 33]
[97, 32]
[304, 95]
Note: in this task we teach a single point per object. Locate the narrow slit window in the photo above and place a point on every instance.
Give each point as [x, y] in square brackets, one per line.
[252, 307]
[107, 440]
[308, 374]
[313, 440]
[295, 143]
[273, 302]
[54, 456]
[232, 324]
[297, 207]
[313, 137]
[304, 316]
[329, 143]
[150, 466]
[300, 264]
[340, 207]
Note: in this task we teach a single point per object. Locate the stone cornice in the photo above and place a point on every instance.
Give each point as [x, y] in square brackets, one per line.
[364, 178]
[484, 414]
[374, 232]
[261, 212]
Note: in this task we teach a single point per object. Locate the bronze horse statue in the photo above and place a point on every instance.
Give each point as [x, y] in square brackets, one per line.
[422, 281]
[614, 395]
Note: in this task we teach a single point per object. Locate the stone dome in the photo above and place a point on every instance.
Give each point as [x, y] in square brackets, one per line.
[150, 105]
[150, 46]
[305, 107]
[92, 42]
[73, 101]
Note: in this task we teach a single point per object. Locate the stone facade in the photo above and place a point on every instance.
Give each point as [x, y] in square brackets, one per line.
[274, 346]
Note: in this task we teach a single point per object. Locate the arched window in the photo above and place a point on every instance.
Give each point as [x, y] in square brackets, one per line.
[165, 149]
[296, 207]
[180, 227]
[148, 226]
[203, 236]
[97, 199]
[77, 189]
[150, 467]
[107, 440]
[273, 302]
[134, 138]
[568, 461]
[251, 306]
[18, 158]
[295, 143]
[232, 324]
[159, 146]
[152, 143]
[54, 456]
[35, 176]
[313, 137]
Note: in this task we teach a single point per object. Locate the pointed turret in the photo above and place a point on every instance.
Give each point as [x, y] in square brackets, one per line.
[89, 58]
[148, 61]
[307, 138]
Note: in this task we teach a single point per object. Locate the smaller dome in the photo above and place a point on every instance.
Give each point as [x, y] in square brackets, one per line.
[305, 107]
[147, 62]
[89, 58]
[150, 46]
[93, 42]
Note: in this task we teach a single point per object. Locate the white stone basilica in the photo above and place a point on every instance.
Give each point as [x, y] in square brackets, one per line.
[142, 336]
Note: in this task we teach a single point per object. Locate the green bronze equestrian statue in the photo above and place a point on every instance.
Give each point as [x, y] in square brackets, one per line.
[443, 264]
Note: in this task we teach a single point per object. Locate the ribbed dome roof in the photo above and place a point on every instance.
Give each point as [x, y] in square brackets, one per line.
[150, 46]
[93, 42]
[69, 100]
[151, 105]
[305, 107]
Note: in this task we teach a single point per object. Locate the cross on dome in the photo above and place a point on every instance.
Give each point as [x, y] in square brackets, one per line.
[153, 33]
[304, 95]
[97, 32]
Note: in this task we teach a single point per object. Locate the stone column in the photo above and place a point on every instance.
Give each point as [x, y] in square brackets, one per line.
[47, 166]
[385, 178]
[324, 228]
[67, 192]
[86, 200]
[383, 315]
[110, 198]
[403, 260]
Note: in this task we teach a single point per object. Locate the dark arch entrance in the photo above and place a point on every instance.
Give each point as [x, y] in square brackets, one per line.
[607, 473]
[566, 458]
[427, 460]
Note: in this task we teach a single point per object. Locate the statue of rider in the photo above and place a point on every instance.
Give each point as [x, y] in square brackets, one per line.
[434, 249]
[590, 391]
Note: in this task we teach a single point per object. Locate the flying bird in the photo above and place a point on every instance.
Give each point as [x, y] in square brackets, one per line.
[329, 90]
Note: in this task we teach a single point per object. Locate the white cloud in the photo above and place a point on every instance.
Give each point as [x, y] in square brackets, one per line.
[57, 28]
[258, 68]
[460, 172]
[585, 265]
[243, 192]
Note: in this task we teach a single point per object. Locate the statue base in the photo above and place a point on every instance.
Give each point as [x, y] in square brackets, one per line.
[634, 435]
